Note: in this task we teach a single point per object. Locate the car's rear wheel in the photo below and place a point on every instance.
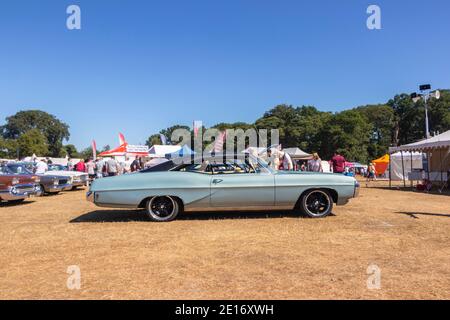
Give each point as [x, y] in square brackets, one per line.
[316, 203]
[162, 208]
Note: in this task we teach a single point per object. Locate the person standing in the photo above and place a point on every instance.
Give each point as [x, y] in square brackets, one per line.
[69, 164]
[286, 161]
[41, 167]
[338, 163]
[136, 165]
[112, 167]
[315, 164]
[90, 169]
[99, 167]
[80, 166]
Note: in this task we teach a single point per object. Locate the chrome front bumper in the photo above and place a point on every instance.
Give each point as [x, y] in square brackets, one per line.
[20, 192]
[58, 188]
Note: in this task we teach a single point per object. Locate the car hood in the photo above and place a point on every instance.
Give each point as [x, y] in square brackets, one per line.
[66, 173]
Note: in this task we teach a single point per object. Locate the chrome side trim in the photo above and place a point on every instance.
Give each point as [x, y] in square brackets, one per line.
[253, 208]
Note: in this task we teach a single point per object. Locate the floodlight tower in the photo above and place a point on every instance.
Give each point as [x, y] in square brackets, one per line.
[425, 94]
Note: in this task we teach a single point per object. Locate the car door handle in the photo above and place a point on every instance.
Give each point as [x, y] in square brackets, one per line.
[216, 181]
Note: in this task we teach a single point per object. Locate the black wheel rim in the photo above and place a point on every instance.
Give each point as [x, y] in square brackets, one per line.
[162, 207]
[317, 203]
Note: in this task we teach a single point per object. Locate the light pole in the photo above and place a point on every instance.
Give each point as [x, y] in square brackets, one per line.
[425, 94]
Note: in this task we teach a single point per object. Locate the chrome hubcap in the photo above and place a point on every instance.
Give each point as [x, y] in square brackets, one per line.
[317, 203]
[162, 207]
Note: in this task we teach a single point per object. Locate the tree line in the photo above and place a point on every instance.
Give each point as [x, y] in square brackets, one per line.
[360, 134]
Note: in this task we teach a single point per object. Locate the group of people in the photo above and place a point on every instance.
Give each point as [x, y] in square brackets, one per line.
[109, 167]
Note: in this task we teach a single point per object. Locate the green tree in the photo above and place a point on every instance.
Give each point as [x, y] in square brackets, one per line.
[348, 133]
[32, 142]
[71, 151]
[53, 129]
[8, 148]
[381, 118]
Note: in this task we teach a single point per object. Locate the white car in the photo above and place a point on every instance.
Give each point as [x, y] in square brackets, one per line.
[76, 179]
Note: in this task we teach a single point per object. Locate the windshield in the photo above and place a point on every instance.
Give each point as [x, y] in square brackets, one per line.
[18, 169]
[56, 167]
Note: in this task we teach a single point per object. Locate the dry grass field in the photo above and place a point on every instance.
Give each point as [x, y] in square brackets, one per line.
[228, 255]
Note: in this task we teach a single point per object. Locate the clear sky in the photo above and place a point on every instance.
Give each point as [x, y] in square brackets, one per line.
[140, 66]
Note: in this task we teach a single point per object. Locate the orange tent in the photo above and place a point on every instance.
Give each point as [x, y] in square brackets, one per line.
[381, 164]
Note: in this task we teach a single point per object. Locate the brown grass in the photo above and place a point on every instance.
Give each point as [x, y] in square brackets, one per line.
[229, 255]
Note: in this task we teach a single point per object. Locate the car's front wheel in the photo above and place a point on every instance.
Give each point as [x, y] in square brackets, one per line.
[162, 208]
[316, 203]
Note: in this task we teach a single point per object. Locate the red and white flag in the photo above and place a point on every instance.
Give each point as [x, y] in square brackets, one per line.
[218, 143]
[197, 125]
[94, 149]
[121, 139]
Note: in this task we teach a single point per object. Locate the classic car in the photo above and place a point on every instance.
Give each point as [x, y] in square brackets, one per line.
[17, 187]
[222, 182]
[50, 184]
[76, 179]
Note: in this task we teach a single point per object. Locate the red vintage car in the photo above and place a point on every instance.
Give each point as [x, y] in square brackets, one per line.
[17, 187]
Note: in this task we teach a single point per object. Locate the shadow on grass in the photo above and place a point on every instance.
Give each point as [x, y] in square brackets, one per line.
[445, 192]
[15, 204]
[140, 215]
[415, 214]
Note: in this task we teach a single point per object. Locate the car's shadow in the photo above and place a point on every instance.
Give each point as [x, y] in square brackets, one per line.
[15, 204]
[140, 216]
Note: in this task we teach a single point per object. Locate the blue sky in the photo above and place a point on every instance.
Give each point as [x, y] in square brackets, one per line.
[140, 66]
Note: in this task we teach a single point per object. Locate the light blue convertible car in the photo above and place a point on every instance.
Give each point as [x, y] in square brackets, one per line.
[220, 183]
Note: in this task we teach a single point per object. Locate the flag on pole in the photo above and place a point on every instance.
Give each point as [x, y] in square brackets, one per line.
[94, 149]
[121, 139]
[197, 125]
[163, 139]
[218, 143]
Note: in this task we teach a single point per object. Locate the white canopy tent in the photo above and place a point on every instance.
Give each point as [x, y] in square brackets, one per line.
[160, 151]
[437, 150]
[402, 170]
[297, 154]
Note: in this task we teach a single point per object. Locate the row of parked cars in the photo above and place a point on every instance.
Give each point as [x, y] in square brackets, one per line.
[18, 180]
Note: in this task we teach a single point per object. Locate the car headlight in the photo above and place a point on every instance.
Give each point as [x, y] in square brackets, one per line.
[14, 190]
[55, 182]
[15, 181]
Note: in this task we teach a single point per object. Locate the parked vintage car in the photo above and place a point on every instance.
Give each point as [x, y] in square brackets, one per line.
[217, 183]
[76, 179]
[50, 184]
[17, 187]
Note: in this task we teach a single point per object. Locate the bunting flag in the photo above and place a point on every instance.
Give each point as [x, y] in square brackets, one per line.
[121, 139]
[197, 125]
[218, 143]
[94, 149]
[163, 139]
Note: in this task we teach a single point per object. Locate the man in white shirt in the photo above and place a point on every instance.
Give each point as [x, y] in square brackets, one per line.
[41, 167]
[288, 165]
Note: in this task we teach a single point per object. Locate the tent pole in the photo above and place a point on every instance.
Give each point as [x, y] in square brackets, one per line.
[403, 170]
[442, 174]
[390, 176]
[412, 183]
